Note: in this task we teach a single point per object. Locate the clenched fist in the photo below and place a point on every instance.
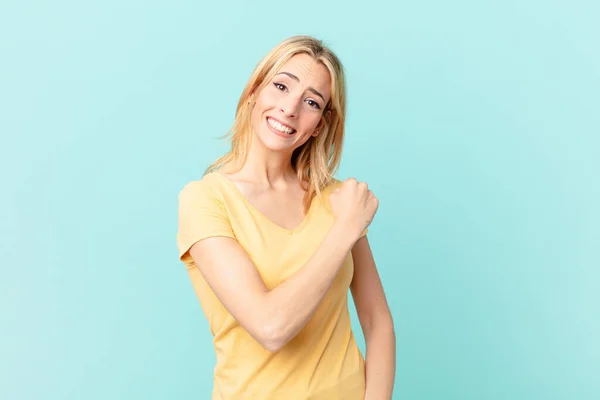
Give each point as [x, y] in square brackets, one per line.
[354, 206]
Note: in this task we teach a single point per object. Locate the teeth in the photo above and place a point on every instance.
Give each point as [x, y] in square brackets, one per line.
[279, 127]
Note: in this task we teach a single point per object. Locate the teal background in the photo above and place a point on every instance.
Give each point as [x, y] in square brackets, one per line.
[476, 123]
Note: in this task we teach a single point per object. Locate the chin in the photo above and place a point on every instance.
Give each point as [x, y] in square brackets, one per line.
[273, 143]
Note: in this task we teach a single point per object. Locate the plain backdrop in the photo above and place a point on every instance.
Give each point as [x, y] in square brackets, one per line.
[475, 122]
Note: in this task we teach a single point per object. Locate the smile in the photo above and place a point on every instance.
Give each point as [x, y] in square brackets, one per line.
[279, 127]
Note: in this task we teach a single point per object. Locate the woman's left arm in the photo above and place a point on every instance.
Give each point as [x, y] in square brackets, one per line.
[376, 322]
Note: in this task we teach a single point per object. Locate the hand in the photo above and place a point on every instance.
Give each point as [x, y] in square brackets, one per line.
[354, 206]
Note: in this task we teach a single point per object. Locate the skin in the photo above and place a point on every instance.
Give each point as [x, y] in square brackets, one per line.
[274, 317]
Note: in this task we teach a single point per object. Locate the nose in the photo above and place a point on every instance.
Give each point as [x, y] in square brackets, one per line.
[289, 107]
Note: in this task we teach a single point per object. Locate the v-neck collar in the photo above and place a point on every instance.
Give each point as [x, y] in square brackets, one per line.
[256, 211]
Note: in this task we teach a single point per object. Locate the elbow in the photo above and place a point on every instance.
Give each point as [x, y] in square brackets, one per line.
[273, 326]
[273, 337]
[268, 327]
[272, 345]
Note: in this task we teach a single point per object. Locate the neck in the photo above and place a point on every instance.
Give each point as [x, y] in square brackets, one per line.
[267, 167]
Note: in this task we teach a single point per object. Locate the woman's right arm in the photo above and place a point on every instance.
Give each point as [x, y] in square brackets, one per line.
[273, 317]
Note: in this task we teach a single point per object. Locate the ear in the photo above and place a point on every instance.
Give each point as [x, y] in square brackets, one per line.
[324, 120]
[251, 95]
[318, 128]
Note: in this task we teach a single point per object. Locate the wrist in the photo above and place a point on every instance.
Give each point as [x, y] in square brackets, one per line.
[345, 234]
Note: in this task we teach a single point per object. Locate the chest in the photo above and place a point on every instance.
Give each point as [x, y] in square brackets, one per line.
[283, 210]
[278, 252]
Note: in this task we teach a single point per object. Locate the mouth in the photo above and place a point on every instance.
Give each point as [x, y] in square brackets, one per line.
[280, 128]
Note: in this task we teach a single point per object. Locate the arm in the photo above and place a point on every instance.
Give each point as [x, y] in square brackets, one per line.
[376, 322]
[272, 317]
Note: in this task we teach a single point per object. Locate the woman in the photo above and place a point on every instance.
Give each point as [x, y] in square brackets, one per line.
[272, 243]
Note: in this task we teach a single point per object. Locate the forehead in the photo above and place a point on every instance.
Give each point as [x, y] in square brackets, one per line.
[311, 72]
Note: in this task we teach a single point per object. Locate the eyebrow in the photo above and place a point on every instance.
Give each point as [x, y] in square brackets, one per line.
[294, 77]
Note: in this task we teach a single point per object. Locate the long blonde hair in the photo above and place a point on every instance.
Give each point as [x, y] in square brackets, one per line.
[317, 160]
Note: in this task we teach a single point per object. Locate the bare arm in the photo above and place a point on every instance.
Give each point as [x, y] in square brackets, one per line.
[272, 317]
[376, 321]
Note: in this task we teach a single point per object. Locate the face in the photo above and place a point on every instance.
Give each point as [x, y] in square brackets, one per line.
[288, 110]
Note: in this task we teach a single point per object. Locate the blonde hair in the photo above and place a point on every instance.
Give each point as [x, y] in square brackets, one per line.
[317, 160]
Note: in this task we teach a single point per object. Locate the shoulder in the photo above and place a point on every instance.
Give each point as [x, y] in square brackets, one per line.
[331, 186]
[334, 184]
[209, 187]
[327, 190]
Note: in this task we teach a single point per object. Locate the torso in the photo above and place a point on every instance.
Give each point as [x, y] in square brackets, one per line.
[323, 361]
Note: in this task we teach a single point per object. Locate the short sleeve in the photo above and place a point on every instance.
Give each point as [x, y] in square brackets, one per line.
[201, 214]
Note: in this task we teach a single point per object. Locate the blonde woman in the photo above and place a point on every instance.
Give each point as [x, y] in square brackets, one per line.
[272, 243]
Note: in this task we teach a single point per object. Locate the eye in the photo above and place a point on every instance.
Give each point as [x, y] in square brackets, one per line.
[280, 86]
[313, 104]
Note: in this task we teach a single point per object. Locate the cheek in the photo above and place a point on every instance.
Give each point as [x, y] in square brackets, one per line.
[262, 104]
[266, 99]
[312, 121]
[255, 117]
